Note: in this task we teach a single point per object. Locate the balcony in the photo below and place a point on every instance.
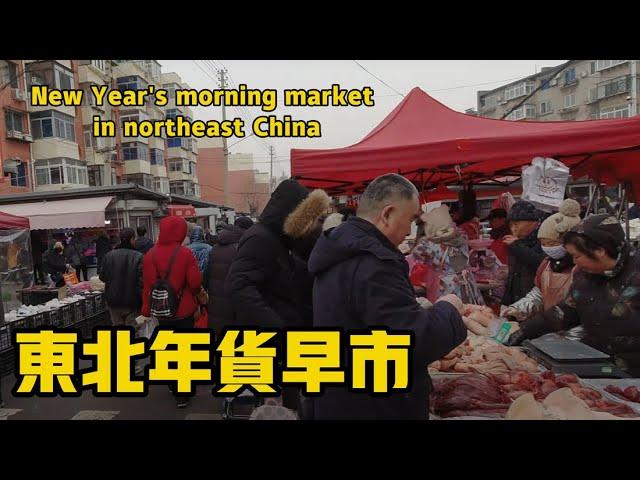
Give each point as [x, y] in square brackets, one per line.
[144, 180]
[90, 74]
[55, 147]
[177, 152]
[611, 88]
[159, 171]
[133, 167]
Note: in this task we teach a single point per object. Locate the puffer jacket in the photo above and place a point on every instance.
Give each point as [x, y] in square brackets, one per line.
[184, 277]
[525, 256]
[121, 273]
[200, 249]
[607, 307]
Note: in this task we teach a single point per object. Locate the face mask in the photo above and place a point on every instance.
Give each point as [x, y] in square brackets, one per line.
[555, 252]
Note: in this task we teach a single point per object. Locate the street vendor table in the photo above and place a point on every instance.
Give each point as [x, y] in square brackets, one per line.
[38, 295]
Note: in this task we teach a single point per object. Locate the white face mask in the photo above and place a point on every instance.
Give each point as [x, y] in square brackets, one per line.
[555, 252]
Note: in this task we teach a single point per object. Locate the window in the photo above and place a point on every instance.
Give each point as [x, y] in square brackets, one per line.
[99, 64]
[525, 111]
[19, 178]
[604, 64]
[177, 188]
[615, 112]
[570, 76]
[179, 142]
[545, 107]
[161, 185]
[614, 87]
[171, 89]
[95, 175]
[64, 79]
[172, 113]
[157, 156]
[192, 168]
[592, 68]
[176, 166]
[570, 100]
[8, 73]
[72, 174]
[13, 120]
[544, 84]
[131, 83]
[135, 151]
[53, 124]
[519, 90]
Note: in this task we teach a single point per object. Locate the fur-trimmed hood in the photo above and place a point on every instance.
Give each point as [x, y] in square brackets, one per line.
[304, 218]
[284, 200]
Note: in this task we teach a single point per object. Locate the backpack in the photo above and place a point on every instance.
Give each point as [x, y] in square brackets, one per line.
[164, 301]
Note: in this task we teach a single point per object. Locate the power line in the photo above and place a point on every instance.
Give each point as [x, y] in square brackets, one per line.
[378, 78]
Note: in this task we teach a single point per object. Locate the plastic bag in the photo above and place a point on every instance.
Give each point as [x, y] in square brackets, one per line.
[544, 183]
[70, 278]
[202, 321]
[145, 326]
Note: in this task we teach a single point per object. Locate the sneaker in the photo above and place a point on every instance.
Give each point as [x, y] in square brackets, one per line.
[183, 402]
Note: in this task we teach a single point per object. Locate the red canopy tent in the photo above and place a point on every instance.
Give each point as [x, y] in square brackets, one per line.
[432, 144]
[13, 222]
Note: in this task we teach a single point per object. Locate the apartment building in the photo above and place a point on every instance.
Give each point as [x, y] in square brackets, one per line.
[15, 131]
[577, 90]
[57, 152]
[182, 153]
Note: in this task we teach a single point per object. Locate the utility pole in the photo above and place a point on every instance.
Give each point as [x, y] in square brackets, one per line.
[271, 169]
[222, 82]
[634, 88]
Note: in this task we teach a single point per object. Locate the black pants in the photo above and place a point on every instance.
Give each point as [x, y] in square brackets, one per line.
[38, 274]
[81, 268]
[178, 325]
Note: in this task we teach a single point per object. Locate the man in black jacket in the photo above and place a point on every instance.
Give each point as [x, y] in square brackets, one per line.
[261, 277]
[525, 251]
[221, 257]
[122, 275]
[362, 280]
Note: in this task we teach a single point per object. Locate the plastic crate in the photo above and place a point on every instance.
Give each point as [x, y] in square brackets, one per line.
[101, 304]
[98, 320]
[7, 365]
[66, 315]
[89, 305]
[53, 318]
[78, 311]
[37, 320]
[5, 338]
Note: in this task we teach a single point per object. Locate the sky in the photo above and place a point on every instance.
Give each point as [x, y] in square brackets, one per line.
[454, 83]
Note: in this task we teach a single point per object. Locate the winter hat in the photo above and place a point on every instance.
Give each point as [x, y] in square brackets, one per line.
[438, 224]
[604, 230]
[523, 211]
[555, 226]
[243, 222]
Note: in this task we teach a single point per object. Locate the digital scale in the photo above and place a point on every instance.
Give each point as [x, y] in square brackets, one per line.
[561, 355]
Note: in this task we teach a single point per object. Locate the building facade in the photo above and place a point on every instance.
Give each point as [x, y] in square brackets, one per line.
[52, 148]
[577, 90]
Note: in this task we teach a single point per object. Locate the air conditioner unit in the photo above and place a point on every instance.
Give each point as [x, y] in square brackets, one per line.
[14, 134]
[583, 74]
[27, 137]
[19, 94]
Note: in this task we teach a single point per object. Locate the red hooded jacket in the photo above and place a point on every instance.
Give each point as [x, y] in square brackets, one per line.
[184, 277]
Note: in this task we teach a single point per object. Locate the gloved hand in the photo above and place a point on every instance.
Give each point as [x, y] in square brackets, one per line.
[516, 338]
[512, 312]
[453, 300]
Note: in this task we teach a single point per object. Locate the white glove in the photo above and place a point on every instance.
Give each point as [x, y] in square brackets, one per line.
[453, 300]
[512, 312]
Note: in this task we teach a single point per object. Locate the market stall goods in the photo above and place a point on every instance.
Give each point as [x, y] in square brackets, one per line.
[479, 354]
[631, 393]
[480, 320]
[468, 395]
[562, 404]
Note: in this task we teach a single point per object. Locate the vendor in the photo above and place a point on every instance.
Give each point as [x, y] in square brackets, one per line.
[604, 296]
[56, 264]
[525, 252]
[499, 229]
[443, 251]
[554, 275]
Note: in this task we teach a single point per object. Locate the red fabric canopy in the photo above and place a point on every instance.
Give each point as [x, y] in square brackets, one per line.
[430, 143]
[13, 222]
